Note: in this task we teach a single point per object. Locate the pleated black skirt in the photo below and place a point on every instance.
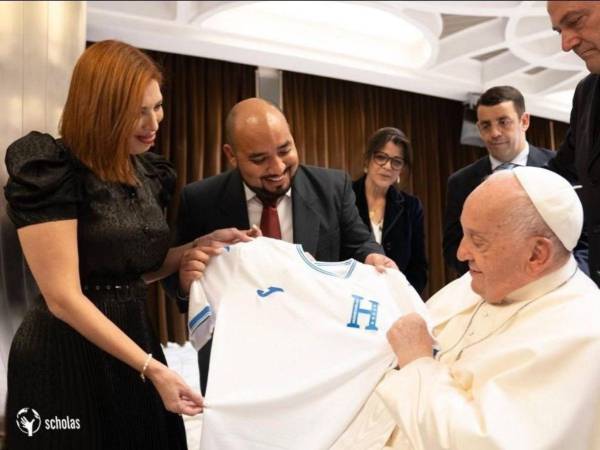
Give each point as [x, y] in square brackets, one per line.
[66, 393]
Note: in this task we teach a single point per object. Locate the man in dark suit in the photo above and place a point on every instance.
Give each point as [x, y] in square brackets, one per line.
[502, 123]
[308, 205]
[578, 158]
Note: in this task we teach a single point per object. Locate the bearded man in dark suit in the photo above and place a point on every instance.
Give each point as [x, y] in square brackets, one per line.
[269, 188]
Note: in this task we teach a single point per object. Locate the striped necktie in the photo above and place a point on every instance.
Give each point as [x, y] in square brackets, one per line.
[506, 166]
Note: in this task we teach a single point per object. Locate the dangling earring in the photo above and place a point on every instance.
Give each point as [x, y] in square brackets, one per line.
[365, 170]
[398, 179]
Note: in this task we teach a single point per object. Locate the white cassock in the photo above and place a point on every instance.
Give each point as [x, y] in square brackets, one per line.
[522, 375]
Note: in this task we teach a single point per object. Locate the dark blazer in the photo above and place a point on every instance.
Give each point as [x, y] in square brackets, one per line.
[325, 221]
[578, 160]
[403, 236]
[460, 184]
[325, 218]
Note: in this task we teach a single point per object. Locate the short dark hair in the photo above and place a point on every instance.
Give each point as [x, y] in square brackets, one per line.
[500, 94]
[389, 134]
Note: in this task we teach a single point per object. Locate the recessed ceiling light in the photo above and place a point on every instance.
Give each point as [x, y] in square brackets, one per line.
[327, 28]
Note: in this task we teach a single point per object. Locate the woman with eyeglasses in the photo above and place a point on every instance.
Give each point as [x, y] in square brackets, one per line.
[394, 217]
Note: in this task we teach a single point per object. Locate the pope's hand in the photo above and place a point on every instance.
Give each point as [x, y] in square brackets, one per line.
[410, 339]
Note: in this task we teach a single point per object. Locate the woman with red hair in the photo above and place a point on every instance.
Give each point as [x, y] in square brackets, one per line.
[85, 370]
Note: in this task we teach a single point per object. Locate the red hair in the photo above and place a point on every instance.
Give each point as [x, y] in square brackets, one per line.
[103, 106]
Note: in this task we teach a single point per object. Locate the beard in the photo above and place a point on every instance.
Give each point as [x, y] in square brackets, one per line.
[266, 196]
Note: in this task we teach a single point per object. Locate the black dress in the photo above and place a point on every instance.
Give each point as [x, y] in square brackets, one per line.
[85, 398]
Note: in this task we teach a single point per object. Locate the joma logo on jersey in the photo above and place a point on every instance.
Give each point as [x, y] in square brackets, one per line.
[269, 291]
[357, 308]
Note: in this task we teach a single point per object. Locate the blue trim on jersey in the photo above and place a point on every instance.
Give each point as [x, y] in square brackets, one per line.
[200, 318]
[351, 263]
[330, 263]
[351, 270]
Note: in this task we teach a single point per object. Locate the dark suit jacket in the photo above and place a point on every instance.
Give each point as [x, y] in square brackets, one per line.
[403, 236]
[578, 160]
[325, 218]
[460, 184]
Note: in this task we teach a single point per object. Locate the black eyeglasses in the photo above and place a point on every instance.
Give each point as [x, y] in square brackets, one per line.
[382, 159]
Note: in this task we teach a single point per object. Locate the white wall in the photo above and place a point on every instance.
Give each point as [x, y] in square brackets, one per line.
[39, 44]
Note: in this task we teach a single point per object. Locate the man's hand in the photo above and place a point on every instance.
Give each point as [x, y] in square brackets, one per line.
[410, 339]
[194, 260]
[381, 262]
[193, 264]
[226, 236]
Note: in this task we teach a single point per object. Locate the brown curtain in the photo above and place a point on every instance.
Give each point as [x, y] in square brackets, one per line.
[546, 133]
[198, 93]
[332, 119]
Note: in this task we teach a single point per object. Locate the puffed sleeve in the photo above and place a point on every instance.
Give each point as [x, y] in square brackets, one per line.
[43, 184]
[163, 173]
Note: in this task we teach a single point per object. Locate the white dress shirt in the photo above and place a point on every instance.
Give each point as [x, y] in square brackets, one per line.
[377, 229]
[519, 160]
[284, 211]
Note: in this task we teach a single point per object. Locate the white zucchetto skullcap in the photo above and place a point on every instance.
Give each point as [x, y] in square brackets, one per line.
[555, 200]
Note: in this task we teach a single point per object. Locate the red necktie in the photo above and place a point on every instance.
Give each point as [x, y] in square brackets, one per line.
[269, 220]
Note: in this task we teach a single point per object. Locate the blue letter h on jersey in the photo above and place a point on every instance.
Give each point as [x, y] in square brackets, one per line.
[356, 310]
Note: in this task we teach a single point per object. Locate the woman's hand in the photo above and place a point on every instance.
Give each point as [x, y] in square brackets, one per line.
[176, 395]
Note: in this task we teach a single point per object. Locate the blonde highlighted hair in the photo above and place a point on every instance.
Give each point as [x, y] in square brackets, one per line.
[103, 106]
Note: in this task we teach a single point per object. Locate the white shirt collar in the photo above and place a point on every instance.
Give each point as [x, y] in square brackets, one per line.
[520, 159]
[250, 194]
[284, 210]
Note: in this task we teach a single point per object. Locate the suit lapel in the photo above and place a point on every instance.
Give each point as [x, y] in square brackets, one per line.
[361, 201]
[393, 210]
[595, 126]
[394, 206]
[305, 218]
[483, 168]
[233, 207]
[535, 157]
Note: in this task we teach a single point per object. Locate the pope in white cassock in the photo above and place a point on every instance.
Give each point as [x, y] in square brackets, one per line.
[518, 336]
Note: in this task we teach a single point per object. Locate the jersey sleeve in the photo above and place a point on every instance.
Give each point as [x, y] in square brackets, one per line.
[207, 293]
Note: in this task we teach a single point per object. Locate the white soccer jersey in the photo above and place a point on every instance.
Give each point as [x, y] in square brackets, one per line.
[298, 345]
